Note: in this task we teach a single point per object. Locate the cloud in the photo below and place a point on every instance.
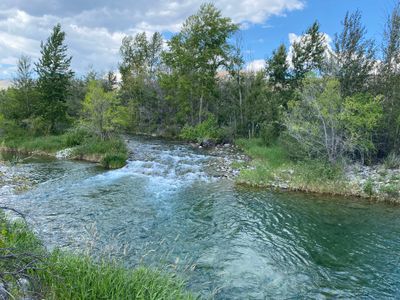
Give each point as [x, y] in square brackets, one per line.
[95, 28]
[255, 65]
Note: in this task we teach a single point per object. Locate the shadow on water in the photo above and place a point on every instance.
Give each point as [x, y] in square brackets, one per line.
[164, 209]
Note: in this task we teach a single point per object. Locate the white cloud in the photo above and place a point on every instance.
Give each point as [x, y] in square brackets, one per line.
[255, 65]
[95, 28]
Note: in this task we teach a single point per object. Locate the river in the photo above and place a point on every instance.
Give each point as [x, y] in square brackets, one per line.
[166, 210]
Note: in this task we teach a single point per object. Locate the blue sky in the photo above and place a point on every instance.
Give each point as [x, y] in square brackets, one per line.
[262, 39]
[95, 28]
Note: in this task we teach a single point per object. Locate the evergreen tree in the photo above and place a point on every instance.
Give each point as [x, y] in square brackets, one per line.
[355, 55]
[308, 53]
[54, 79]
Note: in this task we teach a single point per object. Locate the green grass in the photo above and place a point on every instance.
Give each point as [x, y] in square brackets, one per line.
[59, 275]
[271, 165]
[111, 153]
[51, 143]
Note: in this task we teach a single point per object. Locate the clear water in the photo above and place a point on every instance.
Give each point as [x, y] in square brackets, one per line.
[163, 209]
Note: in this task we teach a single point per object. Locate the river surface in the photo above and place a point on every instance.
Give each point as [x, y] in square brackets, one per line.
[166, 210]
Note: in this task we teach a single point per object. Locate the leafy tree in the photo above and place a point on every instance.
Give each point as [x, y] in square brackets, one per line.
[355, 55]
[102, 112]
[361, 115]
[139, 70]
[328, 125]
[197, 52]
[54, 74]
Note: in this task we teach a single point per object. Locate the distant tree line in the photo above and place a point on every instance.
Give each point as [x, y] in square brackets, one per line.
[321, 101]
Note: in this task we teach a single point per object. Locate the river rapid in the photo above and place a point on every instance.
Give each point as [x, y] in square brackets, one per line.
[166, 208]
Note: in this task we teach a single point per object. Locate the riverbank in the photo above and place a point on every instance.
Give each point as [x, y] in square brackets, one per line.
[75, 145]
[29, 271]
[271, 167]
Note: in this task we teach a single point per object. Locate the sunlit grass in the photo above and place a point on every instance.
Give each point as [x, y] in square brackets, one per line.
[60, 275]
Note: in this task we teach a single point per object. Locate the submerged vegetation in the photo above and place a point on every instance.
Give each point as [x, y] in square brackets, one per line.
[27, 269]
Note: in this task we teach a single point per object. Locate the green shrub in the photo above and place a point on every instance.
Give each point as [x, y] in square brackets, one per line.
[114, 161]
[269, 133]
[76, 136]
[369, 187]
[208, 129]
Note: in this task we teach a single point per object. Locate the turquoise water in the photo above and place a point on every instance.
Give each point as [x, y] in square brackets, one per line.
[165, 210]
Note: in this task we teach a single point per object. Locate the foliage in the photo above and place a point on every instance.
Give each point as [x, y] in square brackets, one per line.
[354, 54]
[114, 161]
[208, 129]
[328, 126]
[61, 275]
[54, 74]
[369, 187]
[103, 112]
[308, 53]
[392, 161]
[195, 55]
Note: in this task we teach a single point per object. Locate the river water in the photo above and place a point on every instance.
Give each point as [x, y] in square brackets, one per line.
[164, 209]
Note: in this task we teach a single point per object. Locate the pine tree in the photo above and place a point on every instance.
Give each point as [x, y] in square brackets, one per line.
[355, 55]
[55, 74]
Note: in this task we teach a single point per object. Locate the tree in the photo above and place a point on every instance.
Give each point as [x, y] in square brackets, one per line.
[327, 125]
[54, 74]
[139, 69]
[355, 55]
[308, 53]
[197, 52]
[102, 112]
[25, 85]
[388, 83]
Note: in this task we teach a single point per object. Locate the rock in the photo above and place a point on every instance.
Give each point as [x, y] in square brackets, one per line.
[207, 143]
[227, 145]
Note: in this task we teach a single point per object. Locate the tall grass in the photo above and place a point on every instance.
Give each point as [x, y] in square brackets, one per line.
[59, 275]
[111, 153]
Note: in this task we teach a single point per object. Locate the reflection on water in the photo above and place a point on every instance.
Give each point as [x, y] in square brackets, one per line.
[164, 209]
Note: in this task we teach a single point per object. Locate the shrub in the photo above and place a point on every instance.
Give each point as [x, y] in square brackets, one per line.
[114, 161]
[76, 136]
[208, 129]
[369, 187]
[269, 133]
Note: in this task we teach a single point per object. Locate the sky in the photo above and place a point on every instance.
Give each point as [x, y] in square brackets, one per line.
[95, 28]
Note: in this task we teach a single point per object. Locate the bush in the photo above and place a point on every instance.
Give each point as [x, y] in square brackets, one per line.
[76, 136]
[269, 133]
[369, 187]
[208, 129]
[114, 161]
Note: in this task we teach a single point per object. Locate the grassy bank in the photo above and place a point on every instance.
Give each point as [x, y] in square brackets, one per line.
[272, 167]
[27, 269]
[111, 153]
